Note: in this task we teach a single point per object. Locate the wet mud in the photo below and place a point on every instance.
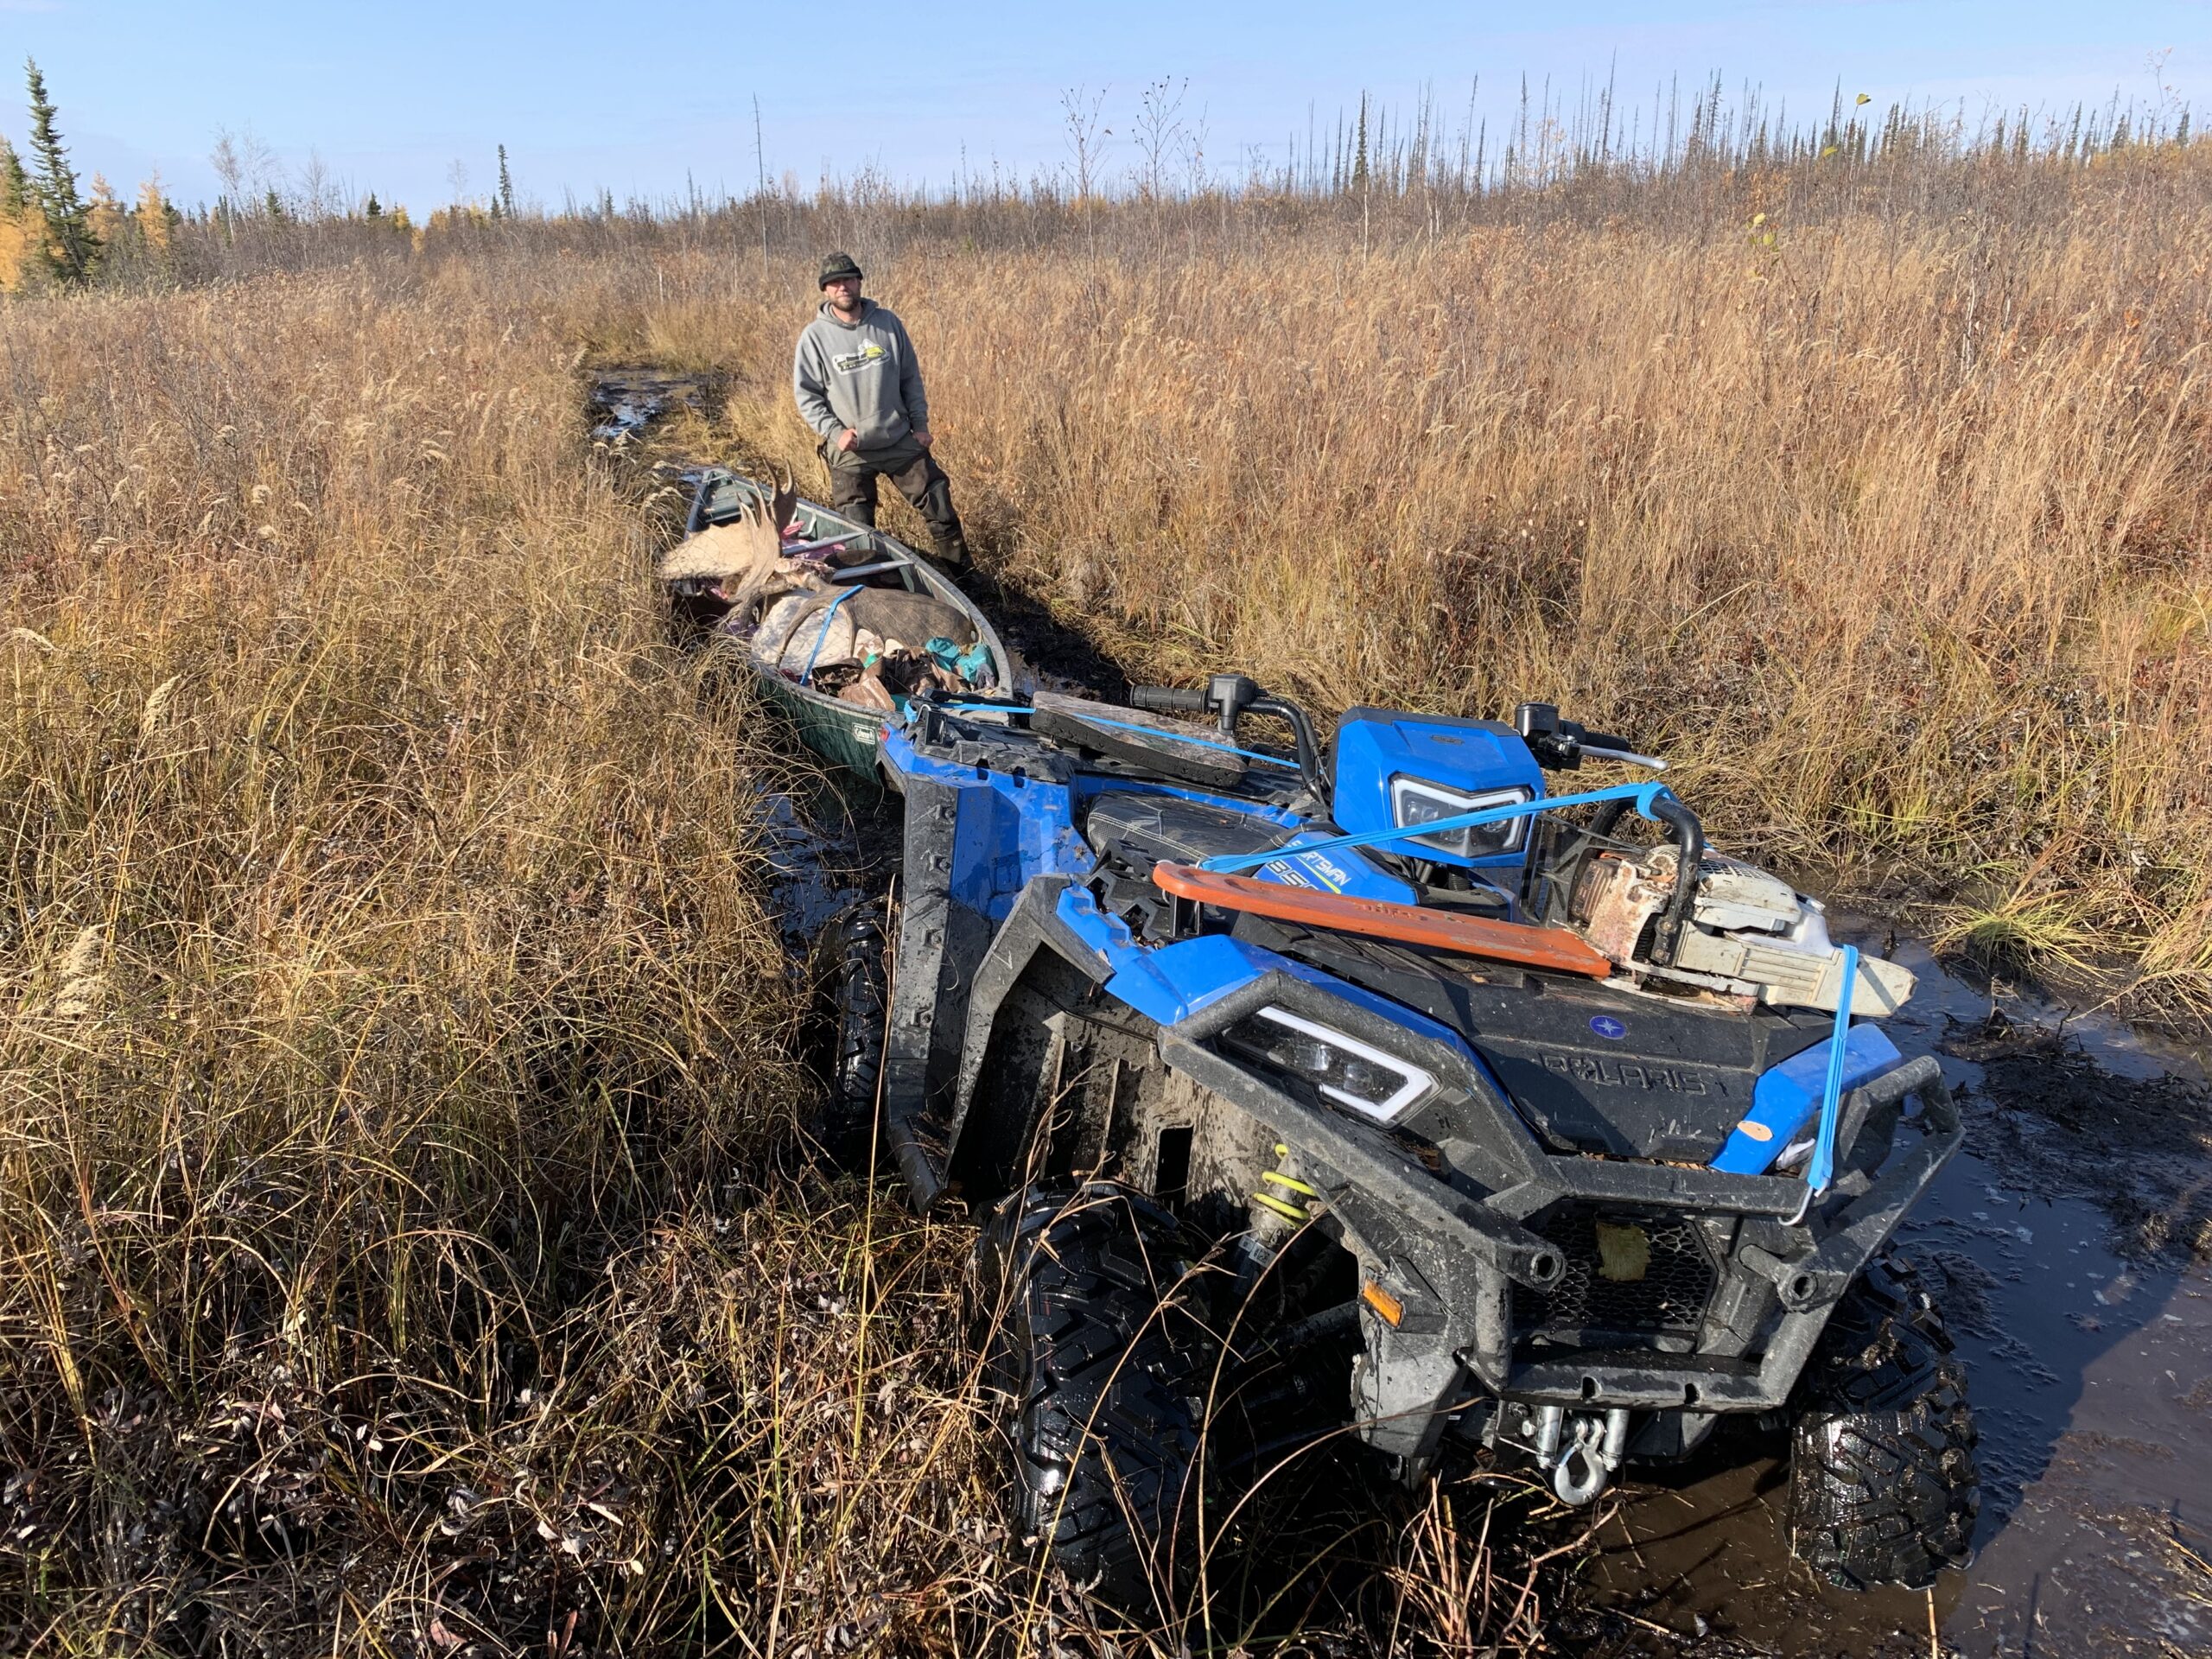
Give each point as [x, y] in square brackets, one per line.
[2070, 1245]
[2067, 1245]
[622, 402]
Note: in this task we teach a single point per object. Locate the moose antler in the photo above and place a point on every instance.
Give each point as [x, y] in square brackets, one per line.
[783, 499]
[746, 546]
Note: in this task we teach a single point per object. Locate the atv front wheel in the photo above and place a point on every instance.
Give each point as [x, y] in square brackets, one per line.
[850, 976]
[1882, 1482]
[1076, 1301]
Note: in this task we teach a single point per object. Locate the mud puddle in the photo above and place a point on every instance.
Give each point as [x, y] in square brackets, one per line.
[827, 850]
[624, 401]
[2068, 1247]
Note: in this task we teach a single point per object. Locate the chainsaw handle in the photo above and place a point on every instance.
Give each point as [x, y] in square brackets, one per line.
[1689, 859]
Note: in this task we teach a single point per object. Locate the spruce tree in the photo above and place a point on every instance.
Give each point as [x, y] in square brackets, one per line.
[23, 229]
[372, 208]
[16, 199]
[506, 186]
[73, 250]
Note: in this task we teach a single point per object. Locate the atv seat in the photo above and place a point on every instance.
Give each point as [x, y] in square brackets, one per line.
[1146, 829]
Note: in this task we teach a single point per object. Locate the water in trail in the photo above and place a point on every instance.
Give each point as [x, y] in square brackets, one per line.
[623, 401]
[2067, 1246]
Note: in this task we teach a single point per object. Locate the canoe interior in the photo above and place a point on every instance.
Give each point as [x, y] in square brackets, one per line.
[840, 732]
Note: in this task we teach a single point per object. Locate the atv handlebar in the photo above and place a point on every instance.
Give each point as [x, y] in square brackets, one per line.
[1168, 700]
[1560, 745]
[1227, 696]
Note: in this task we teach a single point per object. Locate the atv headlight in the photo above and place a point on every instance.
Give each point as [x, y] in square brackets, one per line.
[1414, 801]
[1337, 1064]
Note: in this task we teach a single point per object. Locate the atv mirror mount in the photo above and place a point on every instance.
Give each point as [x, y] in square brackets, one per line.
[1228, 696]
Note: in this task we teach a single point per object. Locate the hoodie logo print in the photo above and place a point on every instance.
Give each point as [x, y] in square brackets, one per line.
[854, 362]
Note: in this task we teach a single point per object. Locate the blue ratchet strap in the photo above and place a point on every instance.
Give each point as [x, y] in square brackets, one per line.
[824, 635]
[1642, 794]
[1822, 1170]
[1124, 725]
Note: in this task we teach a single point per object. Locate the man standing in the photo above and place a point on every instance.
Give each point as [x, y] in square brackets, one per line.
[859, 386]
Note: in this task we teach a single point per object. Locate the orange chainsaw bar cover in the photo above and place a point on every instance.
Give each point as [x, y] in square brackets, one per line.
[1549, 948]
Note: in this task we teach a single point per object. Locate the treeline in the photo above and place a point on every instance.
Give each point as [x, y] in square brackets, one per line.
[1686, 160]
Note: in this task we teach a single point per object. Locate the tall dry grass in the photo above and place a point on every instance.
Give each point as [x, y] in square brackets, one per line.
[1893, 529]
[402, 1248]
[390, 1253]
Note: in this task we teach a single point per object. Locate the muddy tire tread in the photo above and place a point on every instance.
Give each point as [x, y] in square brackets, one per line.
[1105, 1386]
[1883, 1488]
[851, 988]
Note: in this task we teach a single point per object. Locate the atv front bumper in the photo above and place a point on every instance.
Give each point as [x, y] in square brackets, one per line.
[1475, 1242]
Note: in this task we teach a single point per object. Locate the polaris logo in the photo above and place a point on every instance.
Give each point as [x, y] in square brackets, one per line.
[1613, 1074]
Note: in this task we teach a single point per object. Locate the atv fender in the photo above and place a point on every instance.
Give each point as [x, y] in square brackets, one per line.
[1033, 928]
[977, 842]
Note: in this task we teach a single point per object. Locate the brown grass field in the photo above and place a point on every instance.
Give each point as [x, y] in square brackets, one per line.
[404, 1245]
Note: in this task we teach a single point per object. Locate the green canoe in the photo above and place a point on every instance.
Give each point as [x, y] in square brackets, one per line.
[839, 732]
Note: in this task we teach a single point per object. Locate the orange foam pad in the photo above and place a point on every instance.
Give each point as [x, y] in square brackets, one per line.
[1552, 948]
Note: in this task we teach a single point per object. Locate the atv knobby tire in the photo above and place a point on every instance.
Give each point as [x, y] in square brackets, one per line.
[1077, 1304]
[849, 973]
[1882, 1482]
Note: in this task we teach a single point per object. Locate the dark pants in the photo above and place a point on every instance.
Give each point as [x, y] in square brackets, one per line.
[919, 479]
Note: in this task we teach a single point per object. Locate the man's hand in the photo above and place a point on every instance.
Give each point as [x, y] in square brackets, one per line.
[846, 441]
[924, 439]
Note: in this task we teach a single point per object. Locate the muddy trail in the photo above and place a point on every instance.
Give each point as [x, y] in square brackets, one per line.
[2070, 1245]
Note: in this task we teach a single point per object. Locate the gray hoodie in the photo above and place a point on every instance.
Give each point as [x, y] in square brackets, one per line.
[861, 375]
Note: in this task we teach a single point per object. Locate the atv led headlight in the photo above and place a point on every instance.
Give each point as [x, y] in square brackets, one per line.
[1338, 1065]
[1413, 801]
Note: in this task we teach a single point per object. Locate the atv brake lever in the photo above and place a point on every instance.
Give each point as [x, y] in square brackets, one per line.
[1607, 752]
[1560, 745]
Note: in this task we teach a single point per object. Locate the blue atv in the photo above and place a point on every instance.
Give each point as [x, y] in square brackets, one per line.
[1393, 1100]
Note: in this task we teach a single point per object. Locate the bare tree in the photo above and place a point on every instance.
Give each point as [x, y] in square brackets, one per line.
[760, 181]
[1158, 134]
[229, 165]
[1083, 133]
[319, 194]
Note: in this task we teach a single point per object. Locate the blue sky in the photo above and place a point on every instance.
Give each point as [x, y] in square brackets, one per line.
[631, 98]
